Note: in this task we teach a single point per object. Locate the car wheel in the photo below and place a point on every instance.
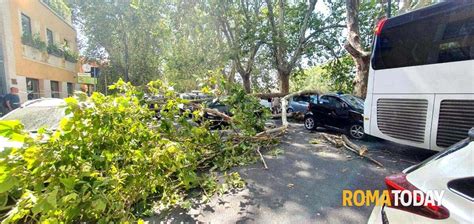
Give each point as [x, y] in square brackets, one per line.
[310, 123]
[356, 131]
[290, 110]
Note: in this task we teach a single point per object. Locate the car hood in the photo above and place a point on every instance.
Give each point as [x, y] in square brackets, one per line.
[7, 143]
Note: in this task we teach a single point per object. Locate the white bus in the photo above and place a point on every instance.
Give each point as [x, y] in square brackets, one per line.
[421, 79]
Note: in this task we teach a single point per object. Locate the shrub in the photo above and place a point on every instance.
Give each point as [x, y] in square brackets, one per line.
[70, 56]
[110, 155]
[34, 41]
[53, 49]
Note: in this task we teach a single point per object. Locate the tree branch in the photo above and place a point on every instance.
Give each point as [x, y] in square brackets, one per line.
[317, 31]
[302, 32]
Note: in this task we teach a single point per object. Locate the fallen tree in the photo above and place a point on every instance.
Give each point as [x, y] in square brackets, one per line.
[110, 158]
[340, 141]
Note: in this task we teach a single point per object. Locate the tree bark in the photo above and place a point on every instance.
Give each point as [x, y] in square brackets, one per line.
[355, 49]
[284, 81]
[362, 76]
[246, 82]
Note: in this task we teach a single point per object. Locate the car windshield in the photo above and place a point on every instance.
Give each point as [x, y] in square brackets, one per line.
[353, 101]
[36, 117]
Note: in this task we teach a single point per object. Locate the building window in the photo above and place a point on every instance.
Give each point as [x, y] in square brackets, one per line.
[49, 37]
[55, 89]
[32, 88]
[70, 89]
[26, 25]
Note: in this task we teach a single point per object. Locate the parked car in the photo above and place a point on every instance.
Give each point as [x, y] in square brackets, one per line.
[450, 171]
[337, 111]
[299, 103]
[34, 114]
[267, 103]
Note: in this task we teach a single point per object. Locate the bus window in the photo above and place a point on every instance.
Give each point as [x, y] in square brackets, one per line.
[458, 42]
[439, 38]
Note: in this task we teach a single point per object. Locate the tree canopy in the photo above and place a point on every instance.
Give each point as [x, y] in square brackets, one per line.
[259, 43]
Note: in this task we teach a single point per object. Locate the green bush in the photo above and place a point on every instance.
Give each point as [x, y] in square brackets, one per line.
[53, 49]
[110, 156]
[70, 56]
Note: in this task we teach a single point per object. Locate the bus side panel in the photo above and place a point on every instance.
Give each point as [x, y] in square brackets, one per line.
[452, 77]
[461, 121]
[396, 129]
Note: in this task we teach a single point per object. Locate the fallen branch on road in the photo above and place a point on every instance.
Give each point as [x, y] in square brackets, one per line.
[261, 158]
[334, 141]
[360, 150]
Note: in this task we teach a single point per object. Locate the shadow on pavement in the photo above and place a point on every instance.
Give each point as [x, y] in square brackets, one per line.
[304, 184]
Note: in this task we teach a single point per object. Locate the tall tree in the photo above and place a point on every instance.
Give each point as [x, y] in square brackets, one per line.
[294, 28]
[242, 26]
[196, 44]
[130, 36]
[355, 48]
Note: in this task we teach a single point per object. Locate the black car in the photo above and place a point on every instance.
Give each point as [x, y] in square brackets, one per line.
[339, 111]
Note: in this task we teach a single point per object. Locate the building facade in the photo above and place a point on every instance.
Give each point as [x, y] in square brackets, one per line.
[38, 50]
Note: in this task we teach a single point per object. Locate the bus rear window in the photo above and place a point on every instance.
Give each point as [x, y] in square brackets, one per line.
[443, 38]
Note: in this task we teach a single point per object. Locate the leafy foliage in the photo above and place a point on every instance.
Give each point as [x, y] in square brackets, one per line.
[111, 155]
[339, 74]
[34, 41]
[309, 79]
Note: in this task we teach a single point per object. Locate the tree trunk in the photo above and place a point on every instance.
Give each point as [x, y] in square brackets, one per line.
[355, 49]
[246, 82]
[284, 81]
[362, 76]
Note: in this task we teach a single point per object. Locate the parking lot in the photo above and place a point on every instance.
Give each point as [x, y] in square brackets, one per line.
[304, 183]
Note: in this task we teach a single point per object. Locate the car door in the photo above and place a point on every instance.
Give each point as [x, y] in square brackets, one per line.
[336, 113]
[298, 104]
[341, 113]
[324, 111]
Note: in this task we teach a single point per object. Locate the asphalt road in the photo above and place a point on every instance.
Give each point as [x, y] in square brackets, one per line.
[304, 184]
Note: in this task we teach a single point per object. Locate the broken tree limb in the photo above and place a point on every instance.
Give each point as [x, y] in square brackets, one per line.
[361, 151]
[261, 158]
[277, 130]
[268, 95]
[332, 141]
[215, 112]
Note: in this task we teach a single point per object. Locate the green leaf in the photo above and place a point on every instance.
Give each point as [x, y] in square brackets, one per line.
[68, 182]
[7, 182]
[99, 205]
[52, 198]
[9, 127]
[3, 199]
[69, 197]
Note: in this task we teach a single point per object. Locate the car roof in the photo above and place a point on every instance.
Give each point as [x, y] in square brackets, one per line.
[44, 102]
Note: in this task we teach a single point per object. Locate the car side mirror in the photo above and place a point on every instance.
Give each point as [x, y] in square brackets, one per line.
[471, 134]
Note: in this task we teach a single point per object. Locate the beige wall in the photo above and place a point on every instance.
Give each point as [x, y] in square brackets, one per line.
[28, 61]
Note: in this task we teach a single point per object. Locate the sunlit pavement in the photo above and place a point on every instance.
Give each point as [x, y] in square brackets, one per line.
[304, 184]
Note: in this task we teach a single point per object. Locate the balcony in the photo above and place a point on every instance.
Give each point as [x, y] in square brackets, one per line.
[40, 56]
